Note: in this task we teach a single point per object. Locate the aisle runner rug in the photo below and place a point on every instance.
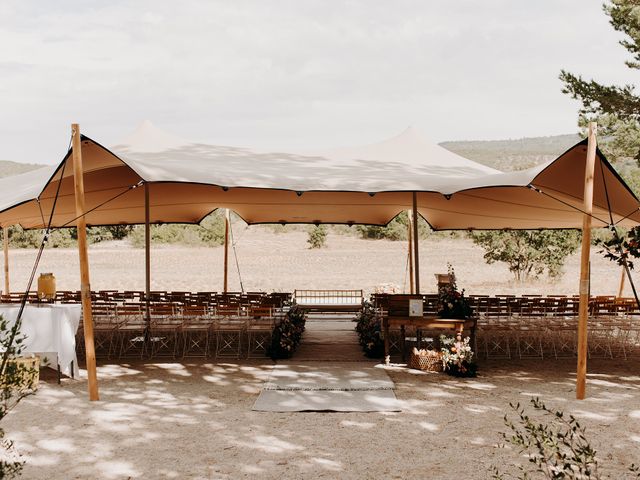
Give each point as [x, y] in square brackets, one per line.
[337, 387]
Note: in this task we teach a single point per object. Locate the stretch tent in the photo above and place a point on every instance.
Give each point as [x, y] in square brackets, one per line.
[363, 185]
[184, 181]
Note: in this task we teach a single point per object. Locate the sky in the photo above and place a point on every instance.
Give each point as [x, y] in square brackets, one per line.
[297, 74]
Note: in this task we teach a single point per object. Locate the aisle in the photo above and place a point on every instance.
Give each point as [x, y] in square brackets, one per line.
[329, 337]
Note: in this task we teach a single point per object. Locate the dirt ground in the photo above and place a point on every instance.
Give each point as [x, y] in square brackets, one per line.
[282, 262]
[193, 420]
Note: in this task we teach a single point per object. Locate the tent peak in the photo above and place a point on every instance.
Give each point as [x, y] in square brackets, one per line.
[146, 137]
[410, 147]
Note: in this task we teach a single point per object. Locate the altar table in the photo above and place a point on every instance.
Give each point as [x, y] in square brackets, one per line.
[423, 323]
[48, 329]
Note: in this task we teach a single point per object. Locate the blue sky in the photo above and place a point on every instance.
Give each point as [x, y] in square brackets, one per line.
[294, 74]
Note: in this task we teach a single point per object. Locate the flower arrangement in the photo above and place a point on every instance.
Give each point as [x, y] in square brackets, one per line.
[287, 334]
[457, 356]
[452, 303]
[369, 329]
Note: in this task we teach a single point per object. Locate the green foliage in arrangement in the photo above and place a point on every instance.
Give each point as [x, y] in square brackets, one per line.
[16, 382]
[369, 330]
[317, 236]
[556, 449]
[616, 108]
[528, 253]
[287, 334]
[622, 248]
[451, 302]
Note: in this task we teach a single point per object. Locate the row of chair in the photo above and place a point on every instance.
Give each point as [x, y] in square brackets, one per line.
[174, 297]
[545, 326]
[178, 331]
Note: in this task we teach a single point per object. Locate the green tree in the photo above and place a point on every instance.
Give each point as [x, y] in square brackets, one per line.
[616, 108]
[528, 253]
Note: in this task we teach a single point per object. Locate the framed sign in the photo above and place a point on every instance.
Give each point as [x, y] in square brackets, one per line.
[415, 307]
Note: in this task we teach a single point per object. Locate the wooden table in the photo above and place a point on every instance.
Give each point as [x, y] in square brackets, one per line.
[424, 323]
[48, 329]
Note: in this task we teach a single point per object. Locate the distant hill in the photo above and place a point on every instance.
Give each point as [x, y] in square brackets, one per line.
[8, 168]
[518, 154]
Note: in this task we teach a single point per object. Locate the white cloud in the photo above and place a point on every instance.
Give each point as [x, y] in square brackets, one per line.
[303, 73]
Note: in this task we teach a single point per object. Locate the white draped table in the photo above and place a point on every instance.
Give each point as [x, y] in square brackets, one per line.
[48, 329]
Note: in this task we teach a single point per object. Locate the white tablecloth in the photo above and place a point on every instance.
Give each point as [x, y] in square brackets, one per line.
[49, 329]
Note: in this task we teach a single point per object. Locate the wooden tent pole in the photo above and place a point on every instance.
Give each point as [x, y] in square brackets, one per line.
[583, 312]
[410, 238]
[85, 286]
[623, 274]
[416, 256]
[147, 258]
[5, 241]
[226, 249]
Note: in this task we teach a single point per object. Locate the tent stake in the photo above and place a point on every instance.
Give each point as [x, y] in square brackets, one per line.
[583, 312]
[5, 241]
[147, 262]
[226, 249]
[85, 287]
[410, 238]
[415, 243]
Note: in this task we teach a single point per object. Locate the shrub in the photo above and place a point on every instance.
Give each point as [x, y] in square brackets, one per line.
[369, 330]
[16, 382]
[210, 232]
[397, 229]
[64, 237]
[317, 236]
[557, 449]
[21, 238]
[287, 334]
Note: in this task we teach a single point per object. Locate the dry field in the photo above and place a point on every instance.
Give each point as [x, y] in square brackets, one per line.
[282, 262]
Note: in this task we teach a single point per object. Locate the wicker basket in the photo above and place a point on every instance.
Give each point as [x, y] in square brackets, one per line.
[427, 363]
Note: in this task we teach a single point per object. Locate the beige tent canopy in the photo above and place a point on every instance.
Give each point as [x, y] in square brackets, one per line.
[184, 181]
[364, 185]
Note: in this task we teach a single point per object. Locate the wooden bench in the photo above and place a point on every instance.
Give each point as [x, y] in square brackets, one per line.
[329, 300]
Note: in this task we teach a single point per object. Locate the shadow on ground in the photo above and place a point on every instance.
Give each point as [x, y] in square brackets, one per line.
[194, 420]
